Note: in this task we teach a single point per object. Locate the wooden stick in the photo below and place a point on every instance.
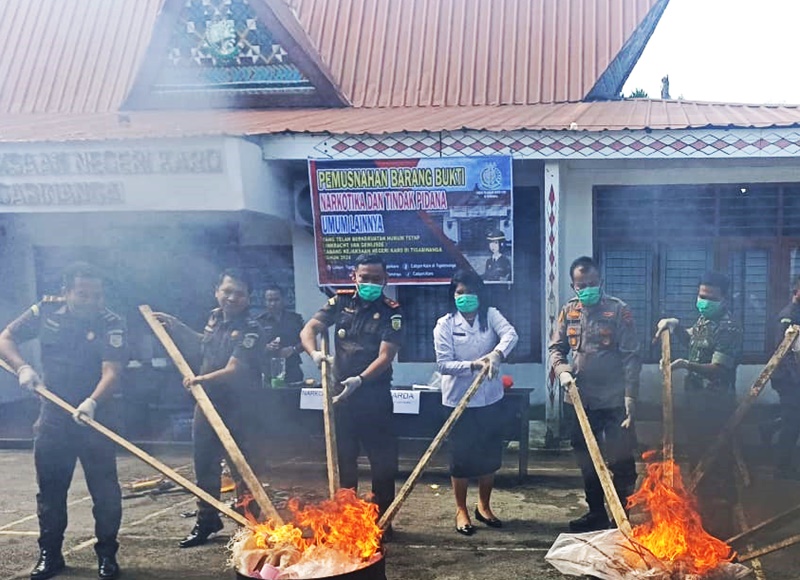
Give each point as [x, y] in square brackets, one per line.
[603, 473]
[408, 486]
[207, 407]
[332, 451]
[668, 422]
[138, 452]
[713, 452]
[774, 520]
[768, 549]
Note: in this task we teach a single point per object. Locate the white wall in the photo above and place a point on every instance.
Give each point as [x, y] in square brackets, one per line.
[578, 179]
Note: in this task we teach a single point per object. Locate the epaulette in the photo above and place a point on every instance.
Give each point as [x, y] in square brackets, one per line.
[391, 303]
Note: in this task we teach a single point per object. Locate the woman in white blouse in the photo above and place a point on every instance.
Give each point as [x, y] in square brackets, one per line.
[471, 336]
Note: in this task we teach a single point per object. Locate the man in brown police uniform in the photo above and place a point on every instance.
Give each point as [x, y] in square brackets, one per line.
[598, 331]
[368, 334]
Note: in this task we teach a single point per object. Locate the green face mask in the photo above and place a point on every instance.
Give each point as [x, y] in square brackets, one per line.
[370, 292]
[467, 303]
[709, 308]
[589, 296]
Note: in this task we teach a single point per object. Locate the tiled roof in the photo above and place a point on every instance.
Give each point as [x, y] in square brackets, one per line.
[594, 116]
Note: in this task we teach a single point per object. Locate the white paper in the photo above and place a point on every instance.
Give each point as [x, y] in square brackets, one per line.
[405, 402]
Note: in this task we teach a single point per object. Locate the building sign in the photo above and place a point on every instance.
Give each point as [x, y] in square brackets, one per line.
[425, 217]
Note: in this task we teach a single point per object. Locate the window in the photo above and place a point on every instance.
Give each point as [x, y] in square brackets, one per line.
[520, 302]
[654, 243]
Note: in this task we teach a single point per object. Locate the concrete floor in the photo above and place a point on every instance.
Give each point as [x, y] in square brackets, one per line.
[425, 545]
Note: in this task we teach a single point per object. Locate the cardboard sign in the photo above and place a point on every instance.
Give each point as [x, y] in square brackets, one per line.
[405, 402]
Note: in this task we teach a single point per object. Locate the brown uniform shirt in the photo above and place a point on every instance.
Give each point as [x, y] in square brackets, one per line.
[602, 342]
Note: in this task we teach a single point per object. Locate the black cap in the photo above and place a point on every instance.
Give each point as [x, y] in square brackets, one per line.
[495, 236]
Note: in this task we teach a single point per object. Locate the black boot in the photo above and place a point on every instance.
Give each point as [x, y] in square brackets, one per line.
[201, 533]
[591, 522]
[50, 563]
[107, 568]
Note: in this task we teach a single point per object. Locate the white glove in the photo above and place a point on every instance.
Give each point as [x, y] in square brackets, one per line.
[667, 323]
[630, 412]
[493, 359]
[350, 384]
[566, 379]
[319, 358]
[28, 378]
[796, 343]
[679, 364]
[85, 411]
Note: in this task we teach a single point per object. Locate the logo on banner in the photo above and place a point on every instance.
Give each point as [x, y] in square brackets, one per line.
[491, 176]
[222, 40]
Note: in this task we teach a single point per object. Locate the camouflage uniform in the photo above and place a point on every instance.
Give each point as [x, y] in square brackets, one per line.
[606, 364]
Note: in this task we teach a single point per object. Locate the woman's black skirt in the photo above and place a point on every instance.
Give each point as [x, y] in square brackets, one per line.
[476, 441]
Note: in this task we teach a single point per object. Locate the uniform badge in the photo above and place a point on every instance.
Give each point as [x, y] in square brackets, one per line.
[341, 333]
[376, 316]
[115, 339]
[234, 334]
[90, 335]
[397, 322]
[249, 340]
[332, 301]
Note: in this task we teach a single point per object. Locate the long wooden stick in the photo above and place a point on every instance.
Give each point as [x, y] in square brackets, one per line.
[603, 473]
[768, 549]
[332, 451]
[207, 407]
[138, 452]
[774, 520]
[713, 452]
[444, 431]
[668, 422]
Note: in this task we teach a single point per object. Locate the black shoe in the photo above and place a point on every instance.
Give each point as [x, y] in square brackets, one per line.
[466, 529]
[591, 522]
[50, 563]
[491, 522]
[200, 534]
[107, 568]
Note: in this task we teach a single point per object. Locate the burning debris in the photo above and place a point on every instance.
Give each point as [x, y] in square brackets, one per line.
[670, 545]
[335, 537]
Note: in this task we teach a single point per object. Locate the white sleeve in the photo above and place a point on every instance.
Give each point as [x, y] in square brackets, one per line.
[505, 332]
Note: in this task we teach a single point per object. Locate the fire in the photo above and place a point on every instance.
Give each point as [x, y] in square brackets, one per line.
[674, 532]
[341, 534]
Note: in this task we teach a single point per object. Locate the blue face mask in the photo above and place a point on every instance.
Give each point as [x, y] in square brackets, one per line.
[467, 303]
[589, 296]
[370, 292]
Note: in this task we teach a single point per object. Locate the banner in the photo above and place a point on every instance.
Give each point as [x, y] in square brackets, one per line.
[425, 217]
[404, 402]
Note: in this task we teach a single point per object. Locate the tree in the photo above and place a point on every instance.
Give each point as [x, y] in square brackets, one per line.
[638, 94]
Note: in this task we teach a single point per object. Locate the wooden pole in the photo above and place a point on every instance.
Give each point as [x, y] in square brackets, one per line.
[774, 520]
[668, 427]
[268, 510]
[768, 549]
[603, 473]
[713, 451]
[444, 431]
[138, 452]
[332, 451]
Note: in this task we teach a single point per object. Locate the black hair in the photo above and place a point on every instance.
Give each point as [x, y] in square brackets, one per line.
[583, 263]
[474, 283]
[274, 288]
[237, 274]
[367, 259]
[80, 270]
[717, 280]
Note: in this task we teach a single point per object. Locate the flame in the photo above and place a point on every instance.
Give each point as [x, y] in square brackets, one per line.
[675, 531]
[346, 525]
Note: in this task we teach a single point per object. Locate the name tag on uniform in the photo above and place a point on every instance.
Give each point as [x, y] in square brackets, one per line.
[404, 402]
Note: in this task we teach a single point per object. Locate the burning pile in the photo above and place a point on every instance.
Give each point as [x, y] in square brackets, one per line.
[671, 544]
[335, 537]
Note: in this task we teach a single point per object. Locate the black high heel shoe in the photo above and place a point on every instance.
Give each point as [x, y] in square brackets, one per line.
[491, 522]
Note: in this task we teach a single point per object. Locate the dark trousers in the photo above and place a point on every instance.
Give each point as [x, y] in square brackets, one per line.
[617, 445]
[366, 420]
[208, 455]
[58, 444]
[789, 429]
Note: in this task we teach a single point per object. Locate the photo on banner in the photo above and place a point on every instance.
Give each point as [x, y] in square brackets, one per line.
[426, 217]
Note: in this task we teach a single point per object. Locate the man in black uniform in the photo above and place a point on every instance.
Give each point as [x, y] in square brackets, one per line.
[597, 330]
[369, 332]
[230, 373]
[786, 380]
[281, 329]
[84, 349]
